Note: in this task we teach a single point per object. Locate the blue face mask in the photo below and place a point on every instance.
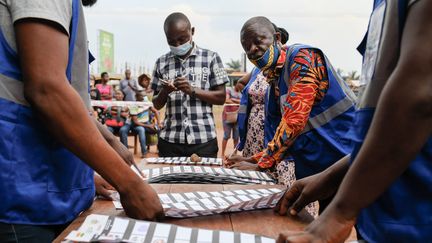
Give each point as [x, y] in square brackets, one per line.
[182, 49]
[269, 59]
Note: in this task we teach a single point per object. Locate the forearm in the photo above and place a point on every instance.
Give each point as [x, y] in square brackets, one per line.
[381, 160]
[160, 99]
[214, 97]
[77, 132]
[106, 134]
[335, 173]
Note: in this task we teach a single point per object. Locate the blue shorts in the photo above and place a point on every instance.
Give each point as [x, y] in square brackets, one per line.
[228, 127]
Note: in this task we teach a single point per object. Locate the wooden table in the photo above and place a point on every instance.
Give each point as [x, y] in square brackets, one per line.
[261, 222]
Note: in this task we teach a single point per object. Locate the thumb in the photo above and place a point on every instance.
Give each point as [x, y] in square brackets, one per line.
[104, 192]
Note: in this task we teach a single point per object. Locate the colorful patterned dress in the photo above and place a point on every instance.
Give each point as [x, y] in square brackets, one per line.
[255, 131]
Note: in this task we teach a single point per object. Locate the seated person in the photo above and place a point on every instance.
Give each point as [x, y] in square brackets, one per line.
[115, 116]
[142, 120]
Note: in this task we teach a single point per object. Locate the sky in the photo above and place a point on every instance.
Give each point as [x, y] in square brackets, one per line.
[334, 26]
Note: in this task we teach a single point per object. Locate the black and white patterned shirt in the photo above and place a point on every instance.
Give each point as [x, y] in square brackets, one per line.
[189, 120]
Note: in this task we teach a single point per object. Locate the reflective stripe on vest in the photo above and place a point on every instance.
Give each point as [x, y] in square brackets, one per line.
[334, 111]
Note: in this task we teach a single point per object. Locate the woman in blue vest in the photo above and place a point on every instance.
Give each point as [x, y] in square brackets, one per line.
[49, 143]
[386, 190]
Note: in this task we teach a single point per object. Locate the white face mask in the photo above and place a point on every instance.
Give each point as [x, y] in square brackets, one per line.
[182, 49]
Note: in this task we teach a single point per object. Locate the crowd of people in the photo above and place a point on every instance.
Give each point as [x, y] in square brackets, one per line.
[344, 158]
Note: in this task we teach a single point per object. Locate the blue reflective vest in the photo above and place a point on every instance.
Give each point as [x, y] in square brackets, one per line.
[41, 182]
[324, 140]
[244, 110]
[403, 213]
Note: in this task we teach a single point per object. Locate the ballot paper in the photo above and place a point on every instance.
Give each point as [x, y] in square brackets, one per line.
[205, 175]
[103, 228]
[183, 161]
[193, 204]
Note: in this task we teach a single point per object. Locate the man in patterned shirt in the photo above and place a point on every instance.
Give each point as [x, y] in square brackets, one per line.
[189, 80]
[309, 108]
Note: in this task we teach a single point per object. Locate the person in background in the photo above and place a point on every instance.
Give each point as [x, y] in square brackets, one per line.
[142, 120]
[105, 90]
[128, 86]
[94, 92]
[49, 145]
[144, 82]
[385, 186]
[189, 80]
[229, 117]
[116, 116]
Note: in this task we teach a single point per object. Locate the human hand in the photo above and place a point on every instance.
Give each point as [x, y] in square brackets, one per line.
[305, 191]
[243, 165]
[181, 83]
[235, 159]
[103, 188]
[239, 87]
[168, 86]
[140, 201]
[330, 227]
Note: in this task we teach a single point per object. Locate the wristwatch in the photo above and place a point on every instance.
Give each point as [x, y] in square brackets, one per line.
[192, 95]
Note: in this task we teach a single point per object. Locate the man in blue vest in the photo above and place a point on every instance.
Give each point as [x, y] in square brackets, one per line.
[308, 107]
[386, 190]
[49, 142]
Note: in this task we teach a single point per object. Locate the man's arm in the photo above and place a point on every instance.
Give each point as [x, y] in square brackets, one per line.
[403, 113]
[297, 106]
[160, 98]
[115, 143]
[381, 160]
[43, 53]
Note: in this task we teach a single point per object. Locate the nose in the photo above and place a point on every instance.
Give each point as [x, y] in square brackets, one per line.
[252, 51]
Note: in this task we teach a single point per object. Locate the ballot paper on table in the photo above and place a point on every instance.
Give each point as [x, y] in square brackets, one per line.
[104, 228]
[205, 175]
[193, 204]
[183, 161]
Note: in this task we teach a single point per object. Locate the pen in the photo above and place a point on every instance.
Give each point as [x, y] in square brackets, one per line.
[139, 171]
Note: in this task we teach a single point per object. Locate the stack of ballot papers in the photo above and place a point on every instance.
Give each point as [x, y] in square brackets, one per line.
[183, 161]
[205, 175]
[103, 228]
[193, 204]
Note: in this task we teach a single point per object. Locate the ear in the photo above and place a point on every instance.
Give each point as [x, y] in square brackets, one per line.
[193, 30]
[277, 36]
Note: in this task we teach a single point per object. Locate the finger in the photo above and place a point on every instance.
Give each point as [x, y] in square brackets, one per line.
[281, 238]
[105, 193]
[286, 201]
[108, 186]
[299, 204]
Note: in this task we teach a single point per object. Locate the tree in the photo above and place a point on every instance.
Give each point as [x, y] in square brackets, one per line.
[353, 75]
[234, 65]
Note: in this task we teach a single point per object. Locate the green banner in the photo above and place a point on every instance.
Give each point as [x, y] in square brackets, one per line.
[106, 51]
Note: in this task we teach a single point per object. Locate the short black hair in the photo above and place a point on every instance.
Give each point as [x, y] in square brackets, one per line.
[283, 32]
[262, 21]
[174, 18]
[103, 73]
